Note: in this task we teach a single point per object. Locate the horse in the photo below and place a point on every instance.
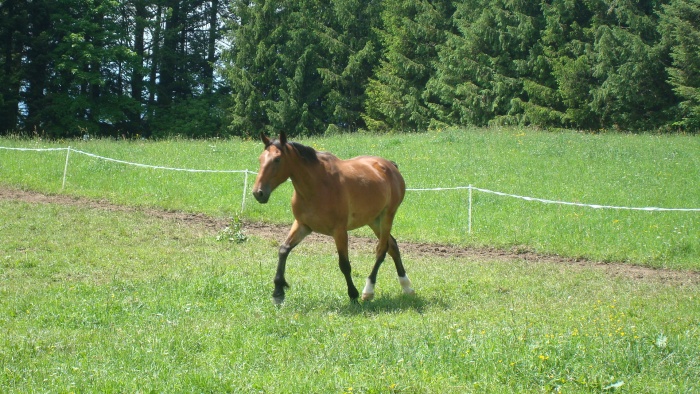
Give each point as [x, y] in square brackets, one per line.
[332, 196]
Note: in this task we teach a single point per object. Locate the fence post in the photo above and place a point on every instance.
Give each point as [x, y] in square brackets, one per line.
[65, 169]
[245, 190]
[470, 209]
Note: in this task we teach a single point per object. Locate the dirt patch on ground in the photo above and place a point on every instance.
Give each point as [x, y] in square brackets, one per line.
[278, 232]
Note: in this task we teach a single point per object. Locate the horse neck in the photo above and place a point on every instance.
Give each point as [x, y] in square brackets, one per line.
[306, 176]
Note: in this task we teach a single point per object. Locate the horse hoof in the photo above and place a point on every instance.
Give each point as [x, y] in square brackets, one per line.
[367, 296]
[278, 300]
[406, 285]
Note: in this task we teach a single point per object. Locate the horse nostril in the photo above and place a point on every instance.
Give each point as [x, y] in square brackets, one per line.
[259, 195]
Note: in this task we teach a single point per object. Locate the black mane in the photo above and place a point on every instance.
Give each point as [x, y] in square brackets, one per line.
[307, 153]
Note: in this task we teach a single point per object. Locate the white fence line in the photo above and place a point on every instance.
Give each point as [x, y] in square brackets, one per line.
[578, 204]
[156, 167]
[246, 172]
[70, 149]
[32, 149]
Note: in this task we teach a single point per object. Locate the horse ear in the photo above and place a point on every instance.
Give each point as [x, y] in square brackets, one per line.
[283, 138]
[265, 140]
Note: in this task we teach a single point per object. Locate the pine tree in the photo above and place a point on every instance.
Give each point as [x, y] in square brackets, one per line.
[630, 89]
[249, 64]
[680, 27]
[13, 36]
[567, 44]
[396, 95]
[272, 67]
[299, 66]
[350, 50]
[480, 71]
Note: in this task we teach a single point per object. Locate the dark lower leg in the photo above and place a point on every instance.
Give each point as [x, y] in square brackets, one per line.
[378, 262]
[280, 282]
[403, 278]
[368, 292]
[345, 268]
[396, 256]
[296, 234]
[341, 244]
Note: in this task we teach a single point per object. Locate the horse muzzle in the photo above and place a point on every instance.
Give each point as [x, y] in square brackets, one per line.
[261, 195]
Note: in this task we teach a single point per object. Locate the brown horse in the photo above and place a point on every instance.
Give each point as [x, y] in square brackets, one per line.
[332, 196]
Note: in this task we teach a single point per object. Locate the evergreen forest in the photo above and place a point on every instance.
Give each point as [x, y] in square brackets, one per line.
[218, 68]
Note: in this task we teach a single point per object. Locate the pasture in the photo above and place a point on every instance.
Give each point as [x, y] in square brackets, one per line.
[120, 284]
[100, 298]
[605, 169]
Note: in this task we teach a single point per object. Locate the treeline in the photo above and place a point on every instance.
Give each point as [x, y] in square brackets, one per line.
[311, 67]
[111, 68]
[234, 67]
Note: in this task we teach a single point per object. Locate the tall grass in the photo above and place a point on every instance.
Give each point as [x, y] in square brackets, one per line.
[102, 301]
[606, 169]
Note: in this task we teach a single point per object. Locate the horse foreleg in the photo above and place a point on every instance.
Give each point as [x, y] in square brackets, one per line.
[280, 282]
[341, 243]
[296, 234]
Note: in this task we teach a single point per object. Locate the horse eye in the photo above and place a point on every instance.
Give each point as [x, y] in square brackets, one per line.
[277, 159]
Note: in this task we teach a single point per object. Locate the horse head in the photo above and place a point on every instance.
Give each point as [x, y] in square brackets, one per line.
[273, 169]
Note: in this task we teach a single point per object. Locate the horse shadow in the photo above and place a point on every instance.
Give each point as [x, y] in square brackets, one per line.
[387, 304]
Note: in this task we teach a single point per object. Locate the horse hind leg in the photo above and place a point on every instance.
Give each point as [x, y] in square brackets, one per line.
[387, 243]
[381, 250]
[400, 270]
[368, 292]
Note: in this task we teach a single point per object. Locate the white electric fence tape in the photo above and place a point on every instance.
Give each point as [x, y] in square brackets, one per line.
[156, 167]
[33, 149]
[595, 206]
[246, 172]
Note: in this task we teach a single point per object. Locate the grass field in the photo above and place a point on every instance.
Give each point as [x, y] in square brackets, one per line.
[605, 169]
[102, 300]
[97, 299]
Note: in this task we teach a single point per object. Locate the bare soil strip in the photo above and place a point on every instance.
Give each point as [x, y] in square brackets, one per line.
[278, 232]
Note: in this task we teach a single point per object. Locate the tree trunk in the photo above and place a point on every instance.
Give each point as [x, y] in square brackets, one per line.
[140, 17]
[211, 47]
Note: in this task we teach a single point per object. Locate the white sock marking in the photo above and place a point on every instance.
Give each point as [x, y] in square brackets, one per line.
[406, 285]
[368, 292]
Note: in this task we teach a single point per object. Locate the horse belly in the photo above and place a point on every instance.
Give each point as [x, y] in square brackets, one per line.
[359, 219]
[370, 189]
[327, 222]
[366, 204]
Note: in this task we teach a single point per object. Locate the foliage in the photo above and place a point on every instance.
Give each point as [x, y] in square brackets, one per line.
[396, 94]
[680, 26]
[158, 68]
[110, 68]
[300, 66]
[630, 88]
[234, 232]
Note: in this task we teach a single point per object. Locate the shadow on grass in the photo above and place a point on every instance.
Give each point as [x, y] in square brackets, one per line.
[303, 301]
[391, 304]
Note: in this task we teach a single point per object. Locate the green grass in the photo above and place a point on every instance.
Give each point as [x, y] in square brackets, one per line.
[96, 300]
[606, 169]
